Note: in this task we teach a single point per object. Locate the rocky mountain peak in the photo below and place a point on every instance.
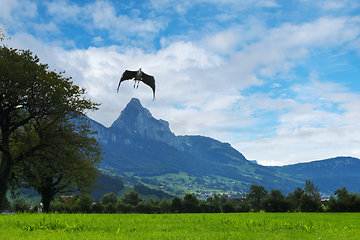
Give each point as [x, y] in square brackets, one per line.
[135, 119]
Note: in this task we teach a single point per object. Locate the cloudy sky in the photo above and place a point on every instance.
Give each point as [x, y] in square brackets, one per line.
[277, 79]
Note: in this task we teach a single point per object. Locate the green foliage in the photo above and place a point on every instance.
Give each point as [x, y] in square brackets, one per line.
[98, 207]
[311, 189]
[345, 202]
[125, 208]
[84, 203]
[109, 198]
[214, 204]
[132, 198]
[228, 207]
[294, 199]
[20, 205]
[309, 204]
[3, 35]
[165, 206]
[243, 206]
[256, 194]
[40, 143]
[275, 202]
[110, 208]
[191, 204]
[176, 205]
[147, 208]
[310, 200]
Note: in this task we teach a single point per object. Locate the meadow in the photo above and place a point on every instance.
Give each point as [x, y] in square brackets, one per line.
[181, 226]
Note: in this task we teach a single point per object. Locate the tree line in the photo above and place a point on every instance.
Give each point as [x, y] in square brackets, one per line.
[257, 199]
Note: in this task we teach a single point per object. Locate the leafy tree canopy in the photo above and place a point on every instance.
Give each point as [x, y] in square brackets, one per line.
[37, 113]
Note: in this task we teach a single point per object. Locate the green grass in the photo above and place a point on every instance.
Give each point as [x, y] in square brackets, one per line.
[181, 226]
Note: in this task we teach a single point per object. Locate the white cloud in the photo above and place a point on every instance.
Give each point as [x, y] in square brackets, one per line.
[15, 12]
[214, 82]
[47, 28]
[102, 15]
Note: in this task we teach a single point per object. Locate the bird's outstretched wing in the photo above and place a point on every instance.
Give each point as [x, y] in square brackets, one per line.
[126, 76]
[148, 80]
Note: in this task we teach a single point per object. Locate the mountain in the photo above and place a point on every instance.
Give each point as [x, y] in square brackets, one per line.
[329, 174]
[142, 150]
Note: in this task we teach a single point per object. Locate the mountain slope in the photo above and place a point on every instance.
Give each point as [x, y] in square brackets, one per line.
[142, 149]
[329, 174]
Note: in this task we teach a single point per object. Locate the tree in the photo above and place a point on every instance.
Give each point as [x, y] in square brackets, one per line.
[165, 206]
[228, 207]
[32, 96]
[69, 162]
[2, 35]
[294, 199]
[214, 204]
[311, 189]
[342, 193]
[84, 203]
[275, 202]
[191, 204]
[342, 203]
[109, 198]
[176, 205]
[310, 201]
[20, 205]
[132, 198]
[256, 193]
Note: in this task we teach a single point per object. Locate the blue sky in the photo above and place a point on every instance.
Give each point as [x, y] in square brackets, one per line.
[278, 80]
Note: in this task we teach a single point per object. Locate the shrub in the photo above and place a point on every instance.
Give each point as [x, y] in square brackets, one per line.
[98, 207]
[110, 208]
[165, 206]
[109, 198]
[124, 208]
[176, 205]
[20, 205]
[84, 202]
[228, 207]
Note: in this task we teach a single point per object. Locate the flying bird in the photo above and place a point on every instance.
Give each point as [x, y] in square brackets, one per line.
[138, 76]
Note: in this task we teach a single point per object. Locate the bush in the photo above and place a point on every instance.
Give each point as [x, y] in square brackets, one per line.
[110, 208]
[98, 207]
[191, 204]
[228, 207]
[20, 205]
[309, 204]
[243, 207]
[124, 208]
[56, 206]
[176, 205]
[132, 198]
[84, 203]
[109, 198]
[165, 206]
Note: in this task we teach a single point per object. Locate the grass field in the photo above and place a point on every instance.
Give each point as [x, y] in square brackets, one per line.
[181, 226]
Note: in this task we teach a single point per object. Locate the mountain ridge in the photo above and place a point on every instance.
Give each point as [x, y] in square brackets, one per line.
[143, 150]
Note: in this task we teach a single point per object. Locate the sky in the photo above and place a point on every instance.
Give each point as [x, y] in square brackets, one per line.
[277, 79]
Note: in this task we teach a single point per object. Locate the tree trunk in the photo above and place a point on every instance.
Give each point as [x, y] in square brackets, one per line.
[46, 199]
[5, 173]
[47, 193]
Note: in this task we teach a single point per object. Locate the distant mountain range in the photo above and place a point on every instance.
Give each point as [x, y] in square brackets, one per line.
[142, 150]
